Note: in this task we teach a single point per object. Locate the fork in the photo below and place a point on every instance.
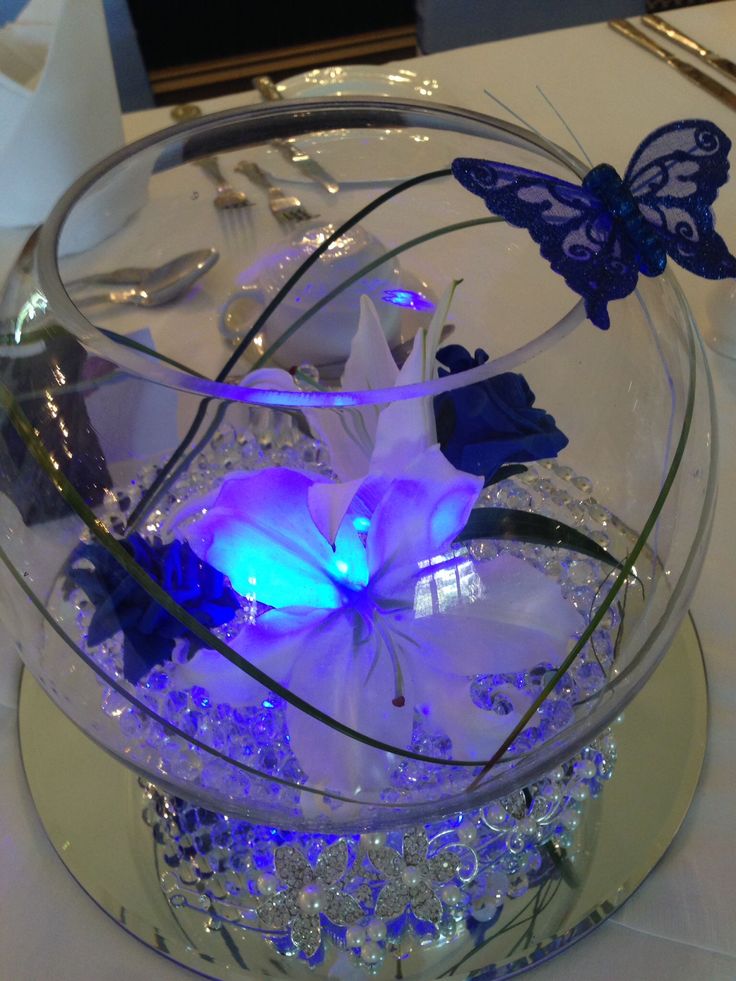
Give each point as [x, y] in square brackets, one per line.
[284, 207]
[227, 197]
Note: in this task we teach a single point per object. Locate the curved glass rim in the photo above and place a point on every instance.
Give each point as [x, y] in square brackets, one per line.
[215, 133]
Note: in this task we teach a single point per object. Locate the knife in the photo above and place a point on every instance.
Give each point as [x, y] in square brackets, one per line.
[690, 44]
[697, 77]
[293, 153]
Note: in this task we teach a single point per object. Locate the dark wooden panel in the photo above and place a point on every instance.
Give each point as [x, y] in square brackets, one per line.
[181, 32]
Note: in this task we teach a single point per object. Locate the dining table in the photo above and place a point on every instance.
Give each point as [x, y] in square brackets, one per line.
[681, 922]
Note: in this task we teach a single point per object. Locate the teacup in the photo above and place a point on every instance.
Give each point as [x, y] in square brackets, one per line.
[404, 303]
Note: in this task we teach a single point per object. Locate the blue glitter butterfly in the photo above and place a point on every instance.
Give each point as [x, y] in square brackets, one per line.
[600, 236]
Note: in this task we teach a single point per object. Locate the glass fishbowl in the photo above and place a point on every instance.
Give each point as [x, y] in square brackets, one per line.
[327, 508]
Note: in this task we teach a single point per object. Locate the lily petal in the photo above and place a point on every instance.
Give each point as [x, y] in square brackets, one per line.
[353, 683]
[328, 505]
[348, 434]
[371, 364]
[515, 592]
[259, 533]
[407, 428]
[347, 437]
[223, 681]
[418, 517]
[519, 620]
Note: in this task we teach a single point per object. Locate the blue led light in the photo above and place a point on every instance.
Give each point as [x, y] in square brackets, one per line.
[361, 524]
[341, 566]
[407, 298]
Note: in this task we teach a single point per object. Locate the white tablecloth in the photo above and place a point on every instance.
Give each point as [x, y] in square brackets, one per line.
[681, 924]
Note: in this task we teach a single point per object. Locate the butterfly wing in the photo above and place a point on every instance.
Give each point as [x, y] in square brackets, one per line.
[674, 176]
[575, 233]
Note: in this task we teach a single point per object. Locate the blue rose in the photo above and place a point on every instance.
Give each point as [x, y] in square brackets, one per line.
[485, 427]
[149, 632]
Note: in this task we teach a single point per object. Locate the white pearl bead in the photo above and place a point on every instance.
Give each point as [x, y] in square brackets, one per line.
[370, 953]
[311, 897]
[527, 826]
[376, 929]
[354, 936]
[373, 839]
[267, 884]
[571, 820]
[451, 895]
[484, 909]
[495, 815]
[585, 769]
[411, 877]
[467, 832]
[579, 792]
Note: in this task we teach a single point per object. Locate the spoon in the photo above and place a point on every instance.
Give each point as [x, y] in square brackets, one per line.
[155, 286]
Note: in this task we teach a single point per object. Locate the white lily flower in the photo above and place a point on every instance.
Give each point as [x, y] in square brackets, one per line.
[343, 564]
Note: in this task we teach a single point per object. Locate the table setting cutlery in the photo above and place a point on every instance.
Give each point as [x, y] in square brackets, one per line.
[693, 74]
[148, 286]
[192, 264]
[724, 65]
[227, 197]
[284, 207]
[182, 113]
[291, 151]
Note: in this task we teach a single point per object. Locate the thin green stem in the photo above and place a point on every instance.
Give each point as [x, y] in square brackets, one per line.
[125, 341]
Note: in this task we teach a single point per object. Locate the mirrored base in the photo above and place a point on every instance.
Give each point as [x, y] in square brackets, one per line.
[92, 808]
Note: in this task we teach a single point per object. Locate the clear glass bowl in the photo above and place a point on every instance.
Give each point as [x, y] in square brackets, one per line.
[369, 684]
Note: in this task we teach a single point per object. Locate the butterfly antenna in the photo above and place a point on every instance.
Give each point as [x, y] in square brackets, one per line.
[561, 118]
[511, 112]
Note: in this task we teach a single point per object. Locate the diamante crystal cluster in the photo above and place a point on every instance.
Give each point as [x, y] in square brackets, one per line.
[381, 894]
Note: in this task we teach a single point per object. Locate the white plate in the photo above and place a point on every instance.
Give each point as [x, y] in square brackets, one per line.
[359, 80]
[395, 154]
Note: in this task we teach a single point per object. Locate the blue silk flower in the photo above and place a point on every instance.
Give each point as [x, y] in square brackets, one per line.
[149, 632]
[489, 428]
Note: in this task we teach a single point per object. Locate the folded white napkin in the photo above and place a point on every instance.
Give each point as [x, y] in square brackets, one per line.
[58, 104]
